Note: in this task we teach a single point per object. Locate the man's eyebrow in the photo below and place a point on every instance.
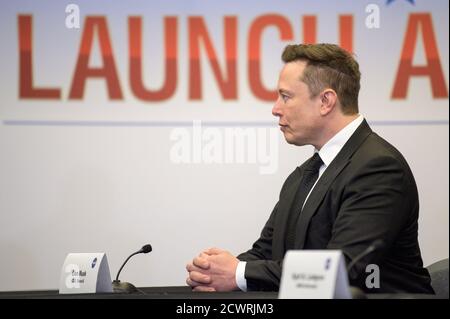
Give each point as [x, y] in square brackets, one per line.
[283, 91]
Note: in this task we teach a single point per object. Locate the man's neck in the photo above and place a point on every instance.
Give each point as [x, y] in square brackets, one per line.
[335, 125]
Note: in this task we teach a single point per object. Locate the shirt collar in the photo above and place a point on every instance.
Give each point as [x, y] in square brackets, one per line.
[331, 148]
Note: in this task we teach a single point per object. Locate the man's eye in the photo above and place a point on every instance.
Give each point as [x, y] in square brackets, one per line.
[284, 97]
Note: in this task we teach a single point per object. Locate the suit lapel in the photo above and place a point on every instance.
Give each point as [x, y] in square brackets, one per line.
[284, 208]
[325, 181]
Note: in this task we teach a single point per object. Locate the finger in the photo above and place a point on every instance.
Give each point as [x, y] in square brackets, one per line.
[201, 262]
[214, 251]
[192, 283]
[203, 255]
[203, 289]
[191, 267]
[199, 277]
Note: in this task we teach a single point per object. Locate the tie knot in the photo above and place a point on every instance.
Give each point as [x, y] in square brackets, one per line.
[315, 162]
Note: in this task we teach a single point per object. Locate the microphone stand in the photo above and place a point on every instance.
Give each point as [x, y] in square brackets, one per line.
[356, 292]
[126, 287]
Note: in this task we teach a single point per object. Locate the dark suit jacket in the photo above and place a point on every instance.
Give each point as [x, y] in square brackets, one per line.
[367, 193]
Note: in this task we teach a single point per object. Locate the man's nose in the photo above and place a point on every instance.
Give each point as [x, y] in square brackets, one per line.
[276, 110]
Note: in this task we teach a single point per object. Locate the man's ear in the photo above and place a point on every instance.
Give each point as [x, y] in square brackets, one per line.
[328, 99]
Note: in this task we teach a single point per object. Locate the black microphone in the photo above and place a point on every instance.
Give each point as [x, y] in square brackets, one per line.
[356, 292]
[126, 287]
[377, 244]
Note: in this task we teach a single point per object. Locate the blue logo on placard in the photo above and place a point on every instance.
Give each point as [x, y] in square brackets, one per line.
[327, 263]
[390, 1]
[94, 262]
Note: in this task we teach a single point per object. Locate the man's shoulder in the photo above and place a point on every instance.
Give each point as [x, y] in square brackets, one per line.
[377, 148]
[377, 156]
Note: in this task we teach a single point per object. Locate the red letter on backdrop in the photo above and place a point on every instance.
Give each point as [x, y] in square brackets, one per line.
[171, 51]
[346, 32]
[309, 29]
[82, 70]
[433, 67]
[26, 89]
[254, 52]
[197, 33]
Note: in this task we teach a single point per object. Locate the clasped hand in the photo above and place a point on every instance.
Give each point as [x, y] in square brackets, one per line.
[213, 270]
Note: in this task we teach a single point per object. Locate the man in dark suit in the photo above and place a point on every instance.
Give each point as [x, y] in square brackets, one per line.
[356, 190]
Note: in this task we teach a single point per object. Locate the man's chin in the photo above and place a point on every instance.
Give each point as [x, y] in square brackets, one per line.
[291, 140]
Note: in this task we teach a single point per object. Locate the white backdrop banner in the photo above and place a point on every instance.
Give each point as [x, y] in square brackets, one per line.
[152, 121]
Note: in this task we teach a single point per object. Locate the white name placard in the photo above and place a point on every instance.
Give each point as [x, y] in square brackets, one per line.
[85, 273]
[314, 274]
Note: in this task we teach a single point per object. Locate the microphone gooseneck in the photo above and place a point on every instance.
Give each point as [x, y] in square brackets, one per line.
[377, 244]
[356, 292]
[121, 267]
[125, 287]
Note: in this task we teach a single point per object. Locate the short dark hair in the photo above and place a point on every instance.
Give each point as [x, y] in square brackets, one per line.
[328, 66]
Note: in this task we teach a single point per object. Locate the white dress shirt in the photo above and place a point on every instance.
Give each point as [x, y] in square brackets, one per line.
[327, 153]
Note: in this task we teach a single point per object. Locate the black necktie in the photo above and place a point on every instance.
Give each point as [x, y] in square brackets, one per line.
[310, 175]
